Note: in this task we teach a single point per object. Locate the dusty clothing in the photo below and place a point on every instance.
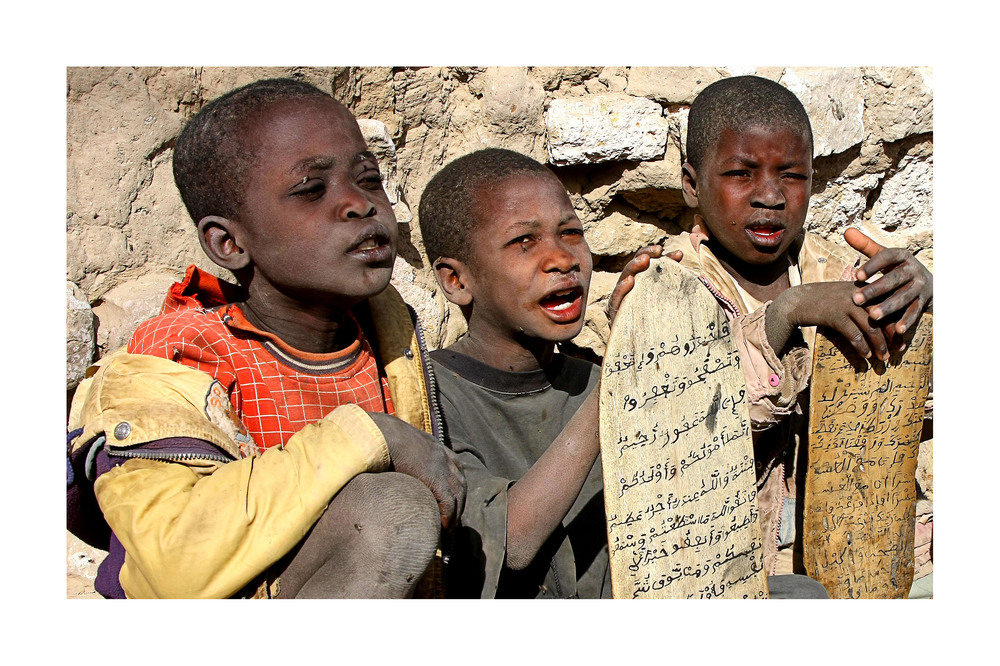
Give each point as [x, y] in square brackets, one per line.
[500, 423]
[213, 474]
[778, 387]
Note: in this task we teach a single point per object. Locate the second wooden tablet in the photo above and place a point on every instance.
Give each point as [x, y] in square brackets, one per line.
[676, 448]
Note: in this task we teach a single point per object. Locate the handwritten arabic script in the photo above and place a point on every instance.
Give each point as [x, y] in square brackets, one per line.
[864, 432]
[676, 449]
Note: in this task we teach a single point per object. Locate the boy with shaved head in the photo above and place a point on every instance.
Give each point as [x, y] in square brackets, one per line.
[748, 175]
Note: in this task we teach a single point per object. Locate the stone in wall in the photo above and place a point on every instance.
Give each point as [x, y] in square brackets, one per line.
[129, 304]
[671, 85]
[380, 143]
[900, 102]
[80, 341]
[655, 187]
[614, 79]
[602, 128]
[511, 99]
[839, 205]
[905, 203]
[619, 234]
[834, 100]
[556, 78]
[111, 147]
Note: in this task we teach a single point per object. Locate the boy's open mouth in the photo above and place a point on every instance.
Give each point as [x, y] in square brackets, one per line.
[373, 245]
[766, 234]
[564, 305]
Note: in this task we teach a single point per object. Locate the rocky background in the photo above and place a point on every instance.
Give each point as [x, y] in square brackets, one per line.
[613, 135]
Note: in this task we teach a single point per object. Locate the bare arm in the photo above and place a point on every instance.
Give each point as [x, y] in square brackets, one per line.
[871, 317]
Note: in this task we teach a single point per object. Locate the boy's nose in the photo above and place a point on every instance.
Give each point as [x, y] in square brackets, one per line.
[354, 204]
[768, 194]
[560, 259]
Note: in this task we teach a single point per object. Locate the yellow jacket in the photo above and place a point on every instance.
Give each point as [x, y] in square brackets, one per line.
[206, 526]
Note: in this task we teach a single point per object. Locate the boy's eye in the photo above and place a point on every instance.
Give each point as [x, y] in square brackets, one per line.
[522, 241]
[371, 180]
[573, 231]
[793, 176]
[310, 188]
[739, 173]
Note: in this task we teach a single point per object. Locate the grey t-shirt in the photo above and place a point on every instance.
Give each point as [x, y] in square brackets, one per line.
[499, 423]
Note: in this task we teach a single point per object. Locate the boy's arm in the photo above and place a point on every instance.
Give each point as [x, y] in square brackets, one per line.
[539, 500]
[774, 381]
[827, 304]
[871, 318]
[205, 531]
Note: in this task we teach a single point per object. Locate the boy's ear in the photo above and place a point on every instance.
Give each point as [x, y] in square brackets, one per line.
[219, 237]
[453, 276]
[689, 185]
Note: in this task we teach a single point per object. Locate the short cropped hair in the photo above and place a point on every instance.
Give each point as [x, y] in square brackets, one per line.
[211, 155]
[447, 207]
[739, 103]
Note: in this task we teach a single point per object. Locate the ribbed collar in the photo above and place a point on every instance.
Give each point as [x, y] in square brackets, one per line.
[499, 381]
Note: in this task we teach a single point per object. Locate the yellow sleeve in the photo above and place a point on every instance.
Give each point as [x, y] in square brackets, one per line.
[199, 528]
[205, 531]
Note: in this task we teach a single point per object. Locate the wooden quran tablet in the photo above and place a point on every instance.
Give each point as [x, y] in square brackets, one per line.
[865, 421]
[676, 447]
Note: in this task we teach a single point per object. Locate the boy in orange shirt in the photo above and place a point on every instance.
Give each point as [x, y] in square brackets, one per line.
[274, 438]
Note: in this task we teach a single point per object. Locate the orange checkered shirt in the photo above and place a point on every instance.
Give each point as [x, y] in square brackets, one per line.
[275, 389]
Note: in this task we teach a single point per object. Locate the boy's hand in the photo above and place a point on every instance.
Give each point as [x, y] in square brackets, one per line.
[626, 280]
[827, 304]
[418, 454]
[905, 287]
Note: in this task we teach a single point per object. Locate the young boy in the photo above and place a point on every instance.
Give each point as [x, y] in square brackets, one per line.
[748, 174]
[271, 438]
[508, 248]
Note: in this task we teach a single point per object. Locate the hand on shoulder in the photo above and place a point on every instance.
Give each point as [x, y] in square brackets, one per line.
[639, 262]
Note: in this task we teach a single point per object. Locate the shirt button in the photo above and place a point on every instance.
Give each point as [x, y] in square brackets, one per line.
[122, 430]
[408, 353]
[774, 380]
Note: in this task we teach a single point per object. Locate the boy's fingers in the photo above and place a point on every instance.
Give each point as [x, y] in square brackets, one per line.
[676, 255]
[876, 340]
[652, 250]
[887, 284]
[886, 261]
[909, 318]
[862, 243]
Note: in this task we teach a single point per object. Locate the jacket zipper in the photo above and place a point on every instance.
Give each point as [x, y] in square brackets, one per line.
[438, 431]
[166, 455]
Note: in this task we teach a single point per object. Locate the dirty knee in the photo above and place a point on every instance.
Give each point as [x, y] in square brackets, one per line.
[397, 517]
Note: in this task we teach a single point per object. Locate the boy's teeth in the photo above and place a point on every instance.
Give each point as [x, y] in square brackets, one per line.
[369, 244]
[561, 306]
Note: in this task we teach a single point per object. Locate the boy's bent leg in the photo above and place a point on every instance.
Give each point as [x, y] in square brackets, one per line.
[795, 586]
[374, 541]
